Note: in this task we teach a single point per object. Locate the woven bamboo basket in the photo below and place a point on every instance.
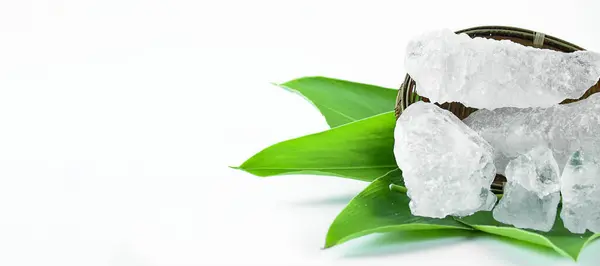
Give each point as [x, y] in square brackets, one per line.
[407, 94]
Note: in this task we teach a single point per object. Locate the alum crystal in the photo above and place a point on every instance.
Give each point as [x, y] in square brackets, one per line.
[447, 167]
[580, 187]
[485, 73]
[532, 192]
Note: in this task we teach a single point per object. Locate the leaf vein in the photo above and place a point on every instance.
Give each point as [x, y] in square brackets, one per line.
[320, 168]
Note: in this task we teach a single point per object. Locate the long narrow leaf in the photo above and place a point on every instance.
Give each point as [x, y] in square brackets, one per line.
[341, 101]
[360, 150]
[559, 238]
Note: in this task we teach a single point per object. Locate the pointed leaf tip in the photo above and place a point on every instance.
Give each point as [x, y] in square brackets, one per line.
[342, 102]
[361, 150]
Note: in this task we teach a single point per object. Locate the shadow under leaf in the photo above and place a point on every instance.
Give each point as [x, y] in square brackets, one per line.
[336, 200]
[523, 248]
[394, 243]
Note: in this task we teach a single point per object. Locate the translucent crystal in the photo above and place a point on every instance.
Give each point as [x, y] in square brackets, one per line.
[532, 192]
[580, 187]
[563, 128]
[447, 167]
[486, 73]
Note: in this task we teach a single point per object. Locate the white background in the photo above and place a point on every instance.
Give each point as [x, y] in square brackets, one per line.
[118, 120]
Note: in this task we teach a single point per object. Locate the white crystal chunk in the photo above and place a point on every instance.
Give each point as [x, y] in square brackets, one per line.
[532, 192]
[580, 187]
[486, 73]
[447, 167]
[562, 128]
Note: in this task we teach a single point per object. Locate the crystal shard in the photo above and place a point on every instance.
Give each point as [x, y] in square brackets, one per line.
[486, 73]
[563, 128]
[447, 167]
[532, 192]
[580, 188]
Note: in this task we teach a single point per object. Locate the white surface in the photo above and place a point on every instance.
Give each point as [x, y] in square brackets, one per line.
[118, 120]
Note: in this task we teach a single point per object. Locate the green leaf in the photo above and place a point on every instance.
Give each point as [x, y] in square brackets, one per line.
[341, 101]
[559, 238]
[382, 207]
[360, 150]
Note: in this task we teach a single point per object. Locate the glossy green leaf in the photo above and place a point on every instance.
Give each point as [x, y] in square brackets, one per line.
[382, 207]
[559, 238]
[360, 150]
[341, 101]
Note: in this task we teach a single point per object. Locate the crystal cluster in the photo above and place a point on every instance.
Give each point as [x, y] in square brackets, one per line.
[532, 193]
[486, 73]
[443, 162]
[562, 128]
[520, 131]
